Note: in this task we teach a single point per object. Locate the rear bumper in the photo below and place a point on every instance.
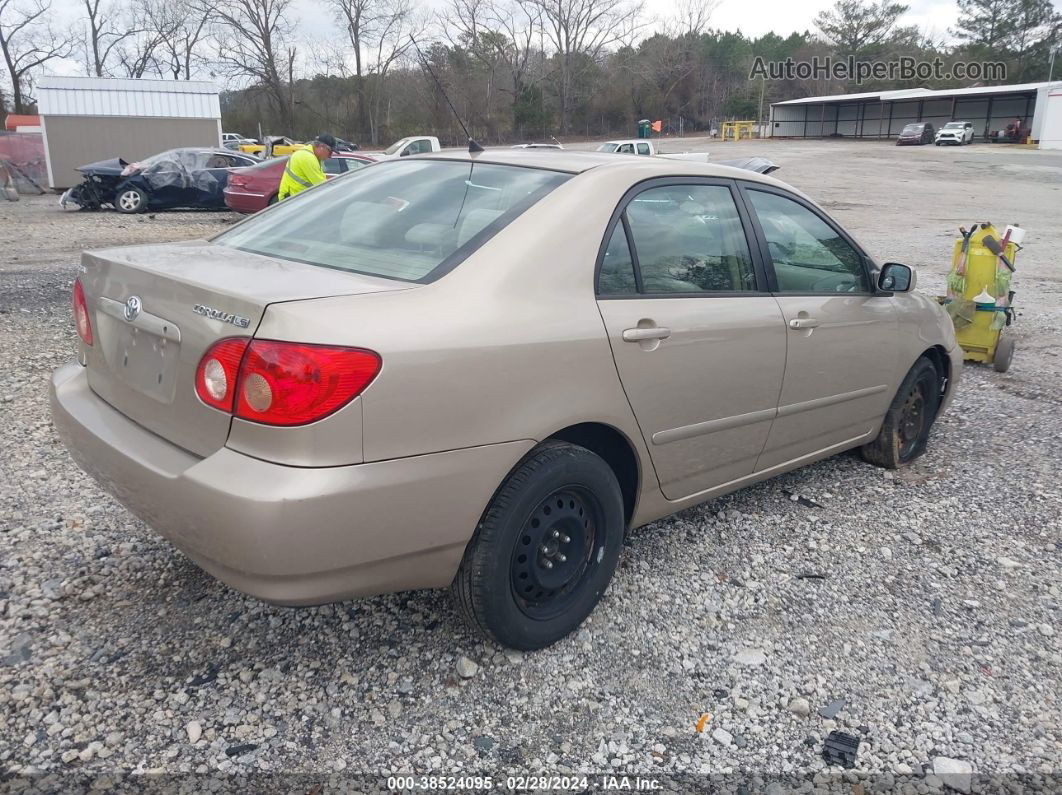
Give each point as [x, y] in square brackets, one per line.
[243, 202]
[288, 535]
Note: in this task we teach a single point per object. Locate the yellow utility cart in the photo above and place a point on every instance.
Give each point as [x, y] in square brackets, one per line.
[737, 130]
[979, 297]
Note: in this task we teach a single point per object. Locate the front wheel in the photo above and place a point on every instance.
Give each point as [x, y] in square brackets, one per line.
[905, 430]
[545, 550]
[131, 200]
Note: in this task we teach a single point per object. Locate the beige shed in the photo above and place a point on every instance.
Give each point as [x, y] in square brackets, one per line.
[88, 119]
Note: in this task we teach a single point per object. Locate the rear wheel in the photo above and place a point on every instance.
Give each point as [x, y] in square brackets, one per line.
[905, 430]
[545, 550]
[131, 200]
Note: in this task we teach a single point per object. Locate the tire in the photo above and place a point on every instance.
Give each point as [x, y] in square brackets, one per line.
[131, 200]
[272, 200]
[905, 430]
[1004, 353]
[563, 505]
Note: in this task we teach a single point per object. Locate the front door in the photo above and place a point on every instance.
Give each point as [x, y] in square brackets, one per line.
[698, 342]
[840, 353]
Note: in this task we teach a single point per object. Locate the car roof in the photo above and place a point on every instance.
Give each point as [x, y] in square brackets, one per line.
[575, 162]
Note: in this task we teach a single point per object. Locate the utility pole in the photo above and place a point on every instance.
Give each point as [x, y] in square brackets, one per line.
[759, 116]
[1051, 67]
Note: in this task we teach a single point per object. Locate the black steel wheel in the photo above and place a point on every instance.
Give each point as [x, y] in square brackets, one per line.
[555, 553]
[905, 429]
[912, 420]
[545, 550]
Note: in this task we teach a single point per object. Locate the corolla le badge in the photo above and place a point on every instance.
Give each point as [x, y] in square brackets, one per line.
[133, 305]
[225, 317]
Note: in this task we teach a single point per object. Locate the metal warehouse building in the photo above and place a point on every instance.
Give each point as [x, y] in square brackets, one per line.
[88, 119]
[883, 114]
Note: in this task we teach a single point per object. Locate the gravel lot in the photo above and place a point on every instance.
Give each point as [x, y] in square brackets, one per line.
[918, 610]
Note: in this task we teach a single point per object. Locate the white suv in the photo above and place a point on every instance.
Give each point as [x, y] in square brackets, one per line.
[955, 132]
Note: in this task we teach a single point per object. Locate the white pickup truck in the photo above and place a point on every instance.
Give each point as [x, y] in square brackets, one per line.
[642, 146]
[414, 145]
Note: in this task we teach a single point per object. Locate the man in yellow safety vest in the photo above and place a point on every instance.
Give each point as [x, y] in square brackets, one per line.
[303, 169]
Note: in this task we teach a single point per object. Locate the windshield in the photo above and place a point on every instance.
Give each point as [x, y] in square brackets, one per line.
[913, 128]
[407, 220]
[396, 146]
[954, 125]
[610, 147]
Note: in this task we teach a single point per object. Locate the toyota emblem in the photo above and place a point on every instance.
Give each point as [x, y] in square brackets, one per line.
[133, 305]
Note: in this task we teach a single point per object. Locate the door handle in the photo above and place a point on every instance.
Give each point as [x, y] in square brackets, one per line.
[803, 322]
[643, 334]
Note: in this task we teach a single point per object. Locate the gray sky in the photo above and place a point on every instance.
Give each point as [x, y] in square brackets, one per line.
[751, 18]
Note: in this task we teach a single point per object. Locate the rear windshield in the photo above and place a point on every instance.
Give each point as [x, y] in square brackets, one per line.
[412, 220]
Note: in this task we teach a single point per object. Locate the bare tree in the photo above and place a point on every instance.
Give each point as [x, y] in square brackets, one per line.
[106, 31]
[27, 41]
[692, 16]
[579, 31]
[377, 31]
[156, 21]
[255, 43]
[181, 48]
[501, 35]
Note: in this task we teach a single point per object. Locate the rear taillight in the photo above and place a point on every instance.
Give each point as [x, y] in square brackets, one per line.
[81, 313]
[283, 383]
[215, 378]
[236, 180]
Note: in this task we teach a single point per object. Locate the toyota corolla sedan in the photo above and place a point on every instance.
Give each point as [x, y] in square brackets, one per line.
[479, 371]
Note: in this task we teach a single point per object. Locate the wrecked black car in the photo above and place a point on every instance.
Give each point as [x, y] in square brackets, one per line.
[175, 178]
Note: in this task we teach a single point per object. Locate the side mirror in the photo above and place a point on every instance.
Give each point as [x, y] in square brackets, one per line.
[404, 153]
[896, 278]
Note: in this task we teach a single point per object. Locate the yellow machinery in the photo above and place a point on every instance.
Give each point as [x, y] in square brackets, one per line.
[979, 295]
[738, 129]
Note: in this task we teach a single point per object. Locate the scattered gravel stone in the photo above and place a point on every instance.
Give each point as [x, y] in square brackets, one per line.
[722, 736]
[800, 707]
[194, 730]
[954, 773]
[750, 657]
[466, 669]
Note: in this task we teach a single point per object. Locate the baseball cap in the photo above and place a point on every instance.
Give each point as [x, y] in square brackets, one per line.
[327, 140]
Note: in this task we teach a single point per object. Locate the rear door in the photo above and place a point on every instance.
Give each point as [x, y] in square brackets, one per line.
[840, 351]
[698, 341]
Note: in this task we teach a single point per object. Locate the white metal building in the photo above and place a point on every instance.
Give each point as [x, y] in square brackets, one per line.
[1051, 132]
[883, 114]
[88, 119]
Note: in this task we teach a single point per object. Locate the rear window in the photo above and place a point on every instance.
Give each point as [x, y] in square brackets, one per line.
[408, 220]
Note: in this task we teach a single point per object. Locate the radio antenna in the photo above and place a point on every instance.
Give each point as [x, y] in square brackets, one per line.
[473, 146]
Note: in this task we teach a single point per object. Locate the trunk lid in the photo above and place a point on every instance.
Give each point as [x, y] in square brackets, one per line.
[156, 309]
